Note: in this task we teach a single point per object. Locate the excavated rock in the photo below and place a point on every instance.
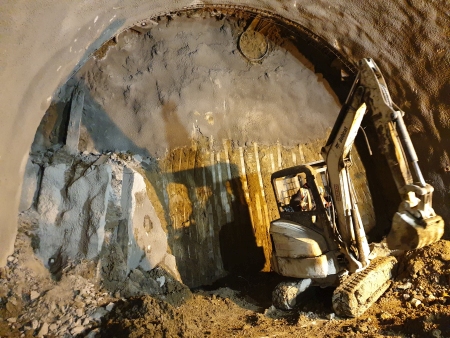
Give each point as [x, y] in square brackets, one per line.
[97, 207]
[145, 238]
[72, 213]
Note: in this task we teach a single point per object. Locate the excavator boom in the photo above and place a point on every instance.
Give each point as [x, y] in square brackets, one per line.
[414, 225]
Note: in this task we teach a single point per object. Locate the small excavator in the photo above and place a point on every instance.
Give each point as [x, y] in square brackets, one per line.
[319, 238]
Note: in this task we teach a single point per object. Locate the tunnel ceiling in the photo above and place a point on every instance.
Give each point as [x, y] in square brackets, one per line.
[177, 77]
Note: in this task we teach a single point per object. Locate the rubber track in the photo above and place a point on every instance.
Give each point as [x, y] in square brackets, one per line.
[347, 297]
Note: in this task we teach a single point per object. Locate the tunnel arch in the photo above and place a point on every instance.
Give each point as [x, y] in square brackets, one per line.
[131, 68]
[357, 30]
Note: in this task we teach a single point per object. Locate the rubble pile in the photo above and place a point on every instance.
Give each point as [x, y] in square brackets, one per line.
[35, 302]
[417, 304]
[32, 303]
[425, 279]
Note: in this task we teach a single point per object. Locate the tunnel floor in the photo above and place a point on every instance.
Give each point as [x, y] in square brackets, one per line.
[33, 303]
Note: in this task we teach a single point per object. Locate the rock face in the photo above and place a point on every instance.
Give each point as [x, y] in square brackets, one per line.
[98, 209]
[51, 200]
[135, 237]
[147, 242]
[93, 207]
[73, 213]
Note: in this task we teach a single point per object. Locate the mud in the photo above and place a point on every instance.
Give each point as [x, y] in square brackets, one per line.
[230, 311]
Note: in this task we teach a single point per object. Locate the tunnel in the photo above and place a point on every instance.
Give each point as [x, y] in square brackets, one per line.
[184, 101]
[171, 90]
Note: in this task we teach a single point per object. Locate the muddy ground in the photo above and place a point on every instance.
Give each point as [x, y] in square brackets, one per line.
[34, 302]
[415, 306]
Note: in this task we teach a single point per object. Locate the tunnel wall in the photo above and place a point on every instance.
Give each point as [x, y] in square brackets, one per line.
[45, 42]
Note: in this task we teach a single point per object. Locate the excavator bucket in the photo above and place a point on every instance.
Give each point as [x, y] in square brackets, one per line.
[408, 233]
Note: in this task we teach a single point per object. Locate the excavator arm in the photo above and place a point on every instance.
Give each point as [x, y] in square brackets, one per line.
[415, 224]
[336, 154]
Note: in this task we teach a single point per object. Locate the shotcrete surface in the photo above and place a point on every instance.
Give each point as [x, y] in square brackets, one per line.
[186, 77]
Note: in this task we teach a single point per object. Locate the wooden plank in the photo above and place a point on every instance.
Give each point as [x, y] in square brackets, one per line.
[302, 155]
[223, 193]
[76, 112]
[272, 162]
[227, 158]
[245, 186]
[261, 185]
[280, 161]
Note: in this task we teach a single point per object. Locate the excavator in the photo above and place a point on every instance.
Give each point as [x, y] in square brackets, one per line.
[320, 238]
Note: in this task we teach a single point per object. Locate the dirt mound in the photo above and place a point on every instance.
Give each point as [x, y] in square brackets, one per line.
[418, 302]
[144, 317]
[207, 314]
[429, 268]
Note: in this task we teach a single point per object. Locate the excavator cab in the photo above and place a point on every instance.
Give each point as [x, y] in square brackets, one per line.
[302, 193]
[303, 245]
[293, 191]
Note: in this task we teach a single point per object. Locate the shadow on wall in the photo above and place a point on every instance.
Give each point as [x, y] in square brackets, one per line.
[210, 230]
[201, 206]
[237, 240]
